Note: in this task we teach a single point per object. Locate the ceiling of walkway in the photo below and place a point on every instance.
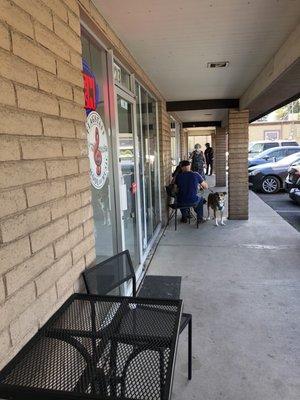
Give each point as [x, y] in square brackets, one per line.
[173, 40]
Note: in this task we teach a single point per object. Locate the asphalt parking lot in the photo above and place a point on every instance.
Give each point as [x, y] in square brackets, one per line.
[284, 206]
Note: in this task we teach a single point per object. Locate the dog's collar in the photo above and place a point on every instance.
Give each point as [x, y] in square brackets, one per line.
[221, 208]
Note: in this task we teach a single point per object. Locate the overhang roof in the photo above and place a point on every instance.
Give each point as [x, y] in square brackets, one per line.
[173, 40]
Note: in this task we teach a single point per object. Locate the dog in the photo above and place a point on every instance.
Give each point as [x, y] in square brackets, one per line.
[216, 202]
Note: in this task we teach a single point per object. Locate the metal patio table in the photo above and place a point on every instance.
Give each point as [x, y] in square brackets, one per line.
[99, 347]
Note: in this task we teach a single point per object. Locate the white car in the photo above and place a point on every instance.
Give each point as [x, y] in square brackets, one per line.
[258, 147]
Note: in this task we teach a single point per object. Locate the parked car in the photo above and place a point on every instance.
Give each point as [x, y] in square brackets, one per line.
[258, 147]
[272, 155]
[293, 178]
[270, 177]
[295, 195]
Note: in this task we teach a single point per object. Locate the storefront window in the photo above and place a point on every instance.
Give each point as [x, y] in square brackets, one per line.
[175, 143]
[121, 76]
[149, 162]
[141, 166]
[153, 158]
[99, 146]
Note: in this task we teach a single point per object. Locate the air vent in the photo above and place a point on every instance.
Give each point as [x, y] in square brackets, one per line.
[218, 64]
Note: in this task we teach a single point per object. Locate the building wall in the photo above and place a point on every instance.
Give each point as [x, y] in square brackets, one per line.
[287, 130]
[46, 222]
[184, 137]
[165, 154]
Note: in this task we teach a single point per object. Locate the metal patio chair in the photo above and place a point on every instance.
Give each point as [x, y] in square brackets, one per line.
[175, 207]
[110, 275]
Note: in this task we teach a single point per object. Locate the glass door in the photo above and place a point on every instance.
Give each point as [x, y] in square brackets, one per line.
[127, 173]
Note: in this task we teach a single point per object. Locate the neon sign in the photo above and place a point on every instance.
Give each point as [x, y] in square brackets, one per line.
[91, 89]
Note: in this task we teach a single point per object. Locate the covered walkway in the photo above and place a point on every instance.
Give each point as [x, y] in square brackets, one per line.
[241, 283]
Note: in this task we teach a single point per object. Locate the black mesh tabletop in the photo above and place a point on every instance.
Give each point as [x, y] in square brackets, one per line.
[99, 347]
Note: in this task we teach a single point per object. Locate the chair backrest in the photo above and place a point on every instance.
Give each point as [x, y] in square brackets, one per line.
[110, 274]
[171, 190]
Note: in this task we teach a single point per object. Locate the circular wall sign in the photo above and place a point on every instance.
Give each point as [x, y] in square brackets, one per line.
[97, 149]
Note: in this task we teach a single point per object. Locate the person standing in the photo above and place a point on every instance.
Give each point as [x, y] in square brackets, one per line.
[209, 157]
[198, 160]
[188, 183]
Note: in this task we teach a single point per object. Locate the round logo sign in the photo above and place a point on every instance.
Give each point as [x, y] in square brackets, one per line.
[97, 149]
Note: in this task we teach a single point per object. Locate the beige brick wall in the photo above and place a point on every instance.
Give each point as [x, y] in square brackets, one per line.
[165, 153]
[238, 123]
[46, 225]
[220, 148]
[184, 140]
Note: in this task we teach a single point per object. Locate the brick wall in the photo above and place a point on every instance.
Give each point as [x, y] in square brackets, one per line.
[183, 144]
[238, 123]
[46, 221]
[46, 225]
[220, 148]
[165, 153]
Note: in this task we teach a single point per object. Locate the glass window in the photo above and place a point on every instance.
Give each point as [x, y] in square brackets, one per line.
[148, 162]
[257, 148]
[289, 144]
[121, 76]
[290, 151]
[99, 147]
[276, 153]
[141, 165]
[154, 159]
[270, 145]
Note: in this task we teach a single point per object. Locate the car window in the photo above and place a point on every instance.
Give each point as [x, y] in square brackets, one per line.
[277, 153]
[270, 145]
[291, 151]
[257, 148]
[289, 144]
[297, 161]
[289, 159]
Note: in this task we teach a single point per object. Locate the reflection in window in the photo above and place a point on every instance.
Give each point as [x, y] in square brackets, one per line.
[103, 198]
[149, 162]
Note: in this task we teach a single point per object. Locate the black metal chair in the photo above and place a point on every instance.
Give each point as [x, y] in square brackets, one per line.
[111, 274]
[175, 206]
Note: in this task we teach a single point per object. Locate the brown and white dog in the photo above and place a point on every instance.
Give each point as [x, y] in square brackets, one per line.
[216, 202]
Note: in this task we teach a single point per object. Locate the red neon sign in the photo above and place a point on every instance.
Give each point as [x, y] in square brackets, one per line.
[89, 91]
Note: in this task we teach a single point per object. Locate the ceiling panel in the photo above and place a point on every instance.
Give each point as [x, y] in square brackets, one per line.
[202, 115]
[173, 40]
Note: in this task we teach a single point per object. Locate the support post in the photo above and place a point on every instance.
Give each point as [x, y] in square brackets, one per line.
[220, 156]
[238, 124]
[213, 145]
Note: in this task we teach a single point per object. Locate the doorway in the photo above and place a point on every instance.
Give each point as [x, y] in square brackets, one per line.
[127, 174]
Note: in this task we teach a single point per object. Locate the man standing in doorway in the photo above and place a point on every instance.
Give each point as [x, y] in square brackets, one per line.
[188, 183]
[209, 157]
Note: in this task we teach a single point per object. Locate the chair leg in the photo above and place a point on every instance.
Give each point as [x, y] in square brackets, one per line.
[190, 355]
[176, 219]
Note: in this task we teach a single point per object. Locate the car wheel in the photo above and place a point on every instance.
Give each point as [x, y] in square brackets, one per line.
[270, 184]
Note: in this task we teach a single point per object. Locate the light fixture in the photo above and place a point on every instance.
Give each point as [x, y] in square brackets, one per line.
[217, 64]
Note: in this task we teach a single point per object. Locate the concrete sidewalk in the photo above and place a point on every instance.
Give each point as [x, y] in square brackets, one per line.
[241, 283]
